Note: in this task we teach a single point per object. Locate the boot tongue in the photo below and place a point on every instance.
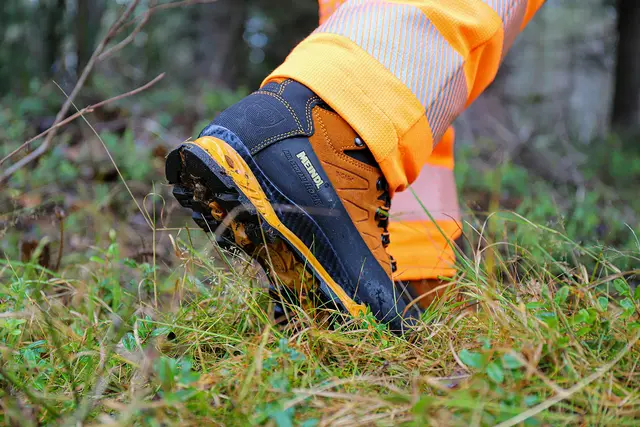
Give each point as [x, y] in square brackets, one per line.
[363, 155]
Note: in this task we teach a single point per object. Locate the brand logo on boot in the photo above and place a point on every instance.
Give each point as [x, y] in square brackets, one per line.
[317, 180]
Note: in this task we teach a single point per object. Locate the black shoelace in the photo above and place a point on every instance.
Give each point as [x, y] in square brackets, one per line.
[382, 216]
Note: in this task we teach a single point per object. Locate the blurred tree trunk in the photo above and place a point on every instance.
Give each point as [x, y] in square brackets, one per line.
[293, 21]
[53, 33]
[217, 34]
[626, 103]
[88, 18]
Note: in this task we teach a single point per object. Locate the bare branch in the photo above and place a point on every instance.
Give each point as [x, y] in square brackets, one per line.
[67, 104]
[101, 52]
[118, 47]
[85, 110]
[143, 20]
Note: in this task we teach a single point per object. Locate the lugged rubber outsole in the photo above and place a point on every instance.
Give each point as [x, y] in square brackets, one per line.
[215, 182]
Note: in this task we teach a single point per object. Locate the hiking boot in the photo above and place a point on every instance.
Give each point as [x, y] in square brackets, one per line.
[285, 178]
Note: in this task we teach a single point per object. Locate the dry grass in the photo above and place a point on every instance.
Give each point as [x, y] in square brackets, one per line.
[110, 340]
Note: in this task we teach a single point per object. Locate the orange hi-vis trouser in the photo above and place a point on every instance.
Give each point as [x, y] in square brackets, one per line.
[399, 72]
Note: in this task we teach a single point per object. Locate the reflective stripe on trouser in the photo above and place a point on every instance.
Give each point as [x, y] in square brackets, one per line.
[400, 71]
[424, 248]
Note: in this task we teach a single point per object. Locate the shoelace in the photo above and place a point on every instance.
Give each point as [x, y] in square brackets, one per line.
[382, 216]
[382, 212]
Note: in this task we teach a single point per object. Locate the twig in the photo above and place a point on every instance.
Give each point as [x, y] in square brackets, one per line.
[115, 165]
[118, 47]
[60, 214]
[143, 20]
[85, 110]
[99, 54]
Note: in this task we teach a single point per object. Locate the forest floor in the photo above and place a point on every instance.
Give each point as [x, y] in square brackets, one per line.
[115, 309]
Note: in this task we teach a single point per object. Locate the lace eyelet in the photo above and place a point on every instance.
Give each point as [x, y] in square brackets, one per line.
[382, 184]
[382, 214]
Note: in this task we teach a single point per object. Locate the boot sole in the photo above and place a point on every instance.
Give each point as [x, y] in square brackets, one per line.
[213, 180]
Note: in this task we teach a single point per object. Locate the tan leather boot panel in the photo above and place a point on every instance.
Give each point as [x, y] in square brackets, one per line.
[354, 181]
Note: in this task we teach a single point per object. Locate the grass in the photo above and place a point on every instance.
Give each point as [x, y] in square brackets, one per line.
[146, 322]
[89, 344]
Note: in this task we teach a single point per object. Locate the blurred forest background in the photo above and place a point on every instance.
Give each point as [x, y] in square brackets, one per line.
[554, 139]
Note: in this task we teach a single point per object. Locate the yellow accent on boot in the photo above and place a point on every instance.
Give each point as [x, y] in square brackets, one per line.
[236, 168]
